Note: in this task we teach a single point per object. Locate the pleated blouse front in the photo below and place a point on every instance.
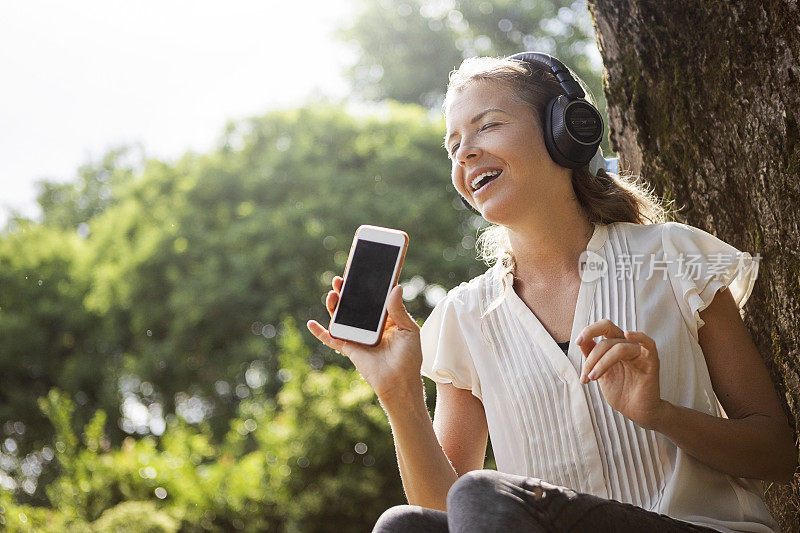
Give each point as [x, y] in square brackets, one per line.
[544, 423]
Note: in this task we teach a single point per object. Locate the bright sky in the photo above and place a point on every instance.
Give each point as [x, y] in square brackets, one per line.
[77, 78]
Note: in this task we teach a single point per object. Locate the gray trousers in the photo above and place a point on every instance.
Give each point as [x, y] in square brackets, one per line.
[487, 500]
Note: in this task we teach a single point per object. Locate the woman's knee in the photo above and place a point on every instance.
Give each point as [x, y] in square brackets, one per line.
[486, 500]
[474, 486]
[401, 518]
[480, 488]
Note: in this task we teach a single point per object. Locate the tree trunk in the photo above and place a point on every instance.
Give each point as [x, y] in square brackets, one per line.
[704, 103]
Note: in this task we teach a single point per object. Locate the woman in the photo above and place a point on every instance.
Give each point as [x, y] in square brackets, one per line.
[597, 385]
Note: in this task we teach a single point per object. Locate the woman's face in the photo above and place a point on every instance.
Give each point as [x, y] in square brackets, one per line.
[488, 130]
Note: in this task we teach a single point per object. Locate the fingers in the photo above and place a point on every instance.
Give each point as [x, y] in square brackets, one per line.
[597, 352]
[648, 345]
[397, 311]
[324, 336]
[634, 346]
[604, 328]
[606, 354]
[332, 298]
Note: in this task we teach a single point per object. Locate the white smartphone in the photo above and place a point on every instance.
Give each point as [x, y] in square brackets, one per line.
[372, 270]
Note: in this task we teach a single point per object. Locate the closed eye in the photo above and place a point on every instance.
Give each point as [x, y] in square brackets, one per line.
[482, 128]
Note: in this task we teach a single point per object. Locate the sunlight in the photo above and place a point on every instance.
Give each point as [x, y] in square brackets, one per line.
[98, 74]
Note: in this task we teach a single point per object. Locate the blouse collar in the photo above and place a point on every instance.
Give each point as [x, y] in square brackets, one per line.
[596, 242]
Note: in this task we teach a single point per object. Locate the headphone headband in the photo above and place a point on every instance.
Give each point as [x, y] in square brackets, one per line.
[557, 68]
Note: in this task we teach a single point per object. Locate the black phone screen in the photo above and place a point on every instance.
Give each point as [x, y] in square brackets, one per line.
[367, 283]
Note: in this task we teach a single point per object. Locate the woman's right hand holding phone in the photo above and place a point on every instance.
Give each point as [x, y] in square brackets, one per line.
[392, 367]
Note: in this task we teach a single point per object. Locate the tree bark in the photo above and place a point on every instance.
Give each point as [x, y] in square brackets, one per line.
[704, 103]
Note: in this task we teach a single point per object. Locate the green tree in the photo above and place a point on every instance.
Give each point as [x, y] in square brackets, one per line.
[171, 293]
[174, 286]
[405, 48]
[47, 339]
[196, 264]
[69, 204]
[318, 457]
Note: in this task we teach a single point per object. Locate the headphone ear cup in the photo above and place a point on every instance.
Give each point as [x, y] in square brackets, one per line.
[549, 141]
[573, 130]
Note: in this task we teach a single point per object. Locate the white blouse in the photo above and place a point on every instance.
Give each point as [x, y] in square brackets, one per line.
[544, 423]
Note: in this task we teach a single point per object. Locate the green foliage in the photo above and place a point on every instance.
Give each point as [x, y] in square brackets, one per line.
[400, 57]
[68, 205]
[135, 517]
[317, 458]
[394, 40]
[227, 243]
[75, 492]
[343, 467]
[47, 338]
[406, 48]
[180, 274]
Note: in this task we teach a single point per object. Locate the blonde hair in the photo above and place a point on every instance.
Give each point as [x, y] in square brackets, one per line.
[605, 198]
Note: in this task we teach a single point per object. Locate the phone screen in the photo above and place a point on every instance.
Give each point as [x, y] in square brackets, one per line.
[367, 284]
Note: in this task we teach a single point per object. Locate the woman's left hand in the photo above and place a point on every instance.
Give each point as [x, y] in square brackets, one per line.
[625, 365]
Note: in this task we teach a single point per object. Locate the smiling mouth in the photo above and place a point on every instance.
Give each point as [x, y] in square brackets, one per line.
[484, 178]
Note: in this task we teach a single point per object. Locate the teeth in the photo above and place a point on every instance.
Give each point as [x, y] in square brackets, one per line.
[488, 174]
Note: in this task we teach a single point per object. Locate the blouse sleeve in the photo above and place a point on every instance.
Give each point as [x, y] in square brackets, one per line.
[700, 264]
[445, 351]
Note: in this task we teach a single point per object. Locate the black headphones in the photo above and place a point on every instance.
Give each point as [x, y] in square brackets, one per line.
[573, 128]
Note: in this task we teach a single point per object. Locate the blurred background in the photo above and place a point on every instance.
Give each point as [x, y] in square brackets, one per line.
[179, 183]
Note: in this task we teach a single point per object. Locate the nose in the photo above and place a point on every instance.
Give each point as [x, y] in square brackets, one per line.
[467, 151]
